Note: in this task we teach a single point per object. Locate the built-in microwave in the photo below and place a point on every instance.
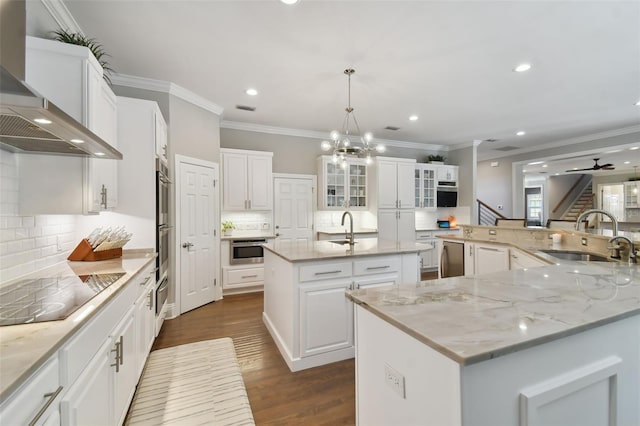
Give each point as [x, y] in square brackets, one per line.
[247, 251]
[447, 197]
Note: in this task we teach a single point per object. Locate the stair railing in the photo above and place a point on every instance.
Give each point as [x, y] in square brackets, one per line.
[487, 215]
[570, 191]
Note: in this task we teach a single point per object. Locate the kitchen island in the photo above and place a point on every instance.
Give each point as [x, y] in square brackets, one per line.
[556, 344]
[305, 308]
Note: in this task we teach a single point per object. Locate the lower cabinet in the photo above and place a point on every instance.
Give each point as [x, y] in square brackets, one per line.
[125, 374]
[483, 258]
[491, 259]
[145, 324]
[518, 259]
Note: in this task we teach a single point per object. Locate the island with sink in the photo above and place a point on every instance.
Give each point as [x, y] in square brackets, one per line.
[305, 308]
[542, 341]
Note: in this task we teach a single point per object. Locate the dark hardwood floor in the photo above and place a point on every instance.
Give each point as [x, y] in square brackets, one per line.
[318, 396]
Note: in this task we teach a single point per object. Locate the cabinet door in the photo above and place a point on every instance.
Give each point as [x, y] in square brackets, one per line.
[491, 259]
[259, 183]
[125, 376]
[234, 194]
[145, 326]
[388, 184]
[429, 258]
[404, 182]
[469, 259]
[428, 187]
[90, 398]
[335, 185]
[521, 260]
[406, 225]
[357, 180]
[326, 317]
[379, 281]
[162, 148]
[632, 194]
[388, 225]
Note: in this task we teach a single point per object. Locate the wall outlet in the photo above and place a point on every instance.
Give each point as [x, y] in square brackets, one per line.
[492, 232]
[500, 207]
[394, 380]
[584, 241]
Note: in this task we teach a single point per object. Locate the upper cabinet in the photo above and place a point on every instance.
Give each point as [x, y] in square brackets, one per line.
[247, 180]
[71, 77]
[342, 188]
[162, 144]
[425, 186]
[395, 183]
[447, 175]
[632, 194]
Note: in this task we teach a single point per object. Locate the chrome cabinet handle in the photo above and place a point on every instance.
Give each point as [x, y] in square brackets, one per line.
[328, 272]
[121, 347]
[51, 397]
[150, 301]
[117, 360]
[146, 280]
[250, 276]
[103, 196]
[490, 249]
[371, 268]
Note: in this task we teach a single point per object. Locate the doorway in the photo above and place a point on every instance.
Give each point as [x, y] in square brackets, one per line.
[293, 207]
[533, 205]
[197, 228]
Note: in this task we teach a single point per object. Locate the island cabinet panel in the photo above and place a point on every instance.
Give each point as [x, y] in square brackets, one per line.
[518, 259]
[326, 317]
[586, 378]
[491, 259]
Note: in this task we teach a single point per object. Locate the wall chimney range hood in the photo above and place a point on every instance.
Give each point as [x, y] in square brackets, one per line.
[29, 123]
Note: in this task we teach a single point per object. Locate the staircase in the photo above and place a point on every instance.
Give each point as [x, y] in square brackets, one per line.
[584, 202]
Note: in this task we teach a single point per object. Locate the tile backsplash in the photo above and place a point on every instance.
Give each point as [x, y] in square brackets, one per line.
[249, 221]
[28, 243]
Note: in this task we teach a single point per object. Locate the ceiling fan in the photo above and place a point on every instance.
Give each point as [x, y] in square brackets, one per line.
[596, 166]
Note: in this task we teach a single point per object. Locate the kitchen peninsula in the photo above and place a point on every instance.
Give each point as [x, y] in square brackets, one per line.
[555, 344]
[305, 308]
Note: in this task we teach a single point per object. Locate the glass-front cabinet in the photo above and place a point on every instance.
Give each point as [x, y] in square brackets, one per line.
[632, 194]
[425, 186]
[342, 187]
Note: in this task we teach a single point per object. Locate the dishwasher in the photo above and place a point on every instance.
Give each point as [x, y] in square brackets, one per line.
[452, 259]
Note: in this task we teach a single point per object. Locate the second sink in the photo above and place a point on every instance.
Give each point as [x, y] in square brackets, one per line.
[341, 242]
[576, 255]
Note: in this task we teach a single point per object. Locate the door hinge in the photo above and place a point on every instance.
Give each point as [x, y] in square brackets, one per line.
[215, 282]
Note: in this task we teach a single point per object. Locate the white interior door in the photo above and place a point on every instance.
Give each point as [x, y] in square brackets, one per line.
[293, 208]
[197, 239]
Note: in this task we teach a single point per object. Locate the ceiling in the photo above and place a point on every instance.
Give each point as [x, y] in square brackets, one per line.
[449, 62]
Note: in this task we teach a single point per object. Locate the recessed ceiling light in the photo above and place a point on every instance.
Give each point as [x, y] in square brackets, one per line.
[627, 162]
[557, 174]
[520, 133]
[575, 168]
[534, 163]
[42, 121]
[545, 165]
[522, 68]
[524, 171]
[638, 103]
[77, 141]
[99, 154]
[633, 148]
[251, 92]
[413, 117]
[289, 1]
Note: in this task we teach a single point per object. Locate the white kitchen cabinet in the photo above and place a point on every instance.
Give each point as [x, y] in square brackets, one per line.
[632, 194]
[145, 322]
[396, 225]
[342, 188]
[425, 186]
[395, 183]
[376, 272]
[447, 174]
[125, 376]
[518, 259]
[42, 388]
[70, 76]
[326, 317]
[247, 180]
[160, 136]
[428, 258]
[489, 258]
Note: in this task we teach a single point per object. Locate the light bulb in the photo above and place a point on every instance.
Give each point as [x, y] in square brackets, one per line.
[368, 160]
[42, 121]
[346, 142]
[326, 146]
[343, 165]
[334, 158]
[368, 137]
[335, 135]
[381, 148]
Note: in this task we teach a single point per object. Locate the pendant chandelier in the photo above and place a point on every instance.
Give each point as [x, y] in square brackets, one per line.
[347, 144]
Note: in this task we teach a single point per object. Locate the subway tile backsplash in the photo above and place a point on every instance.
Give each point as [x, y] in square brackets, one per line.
[28, 243]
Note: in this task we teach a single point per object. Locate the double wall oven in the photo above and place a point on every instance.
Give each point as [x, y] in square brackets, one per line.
[163, 229]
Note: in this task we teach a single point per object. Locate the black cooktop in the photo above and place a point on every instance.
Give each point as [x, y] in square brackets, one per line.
[50, 299]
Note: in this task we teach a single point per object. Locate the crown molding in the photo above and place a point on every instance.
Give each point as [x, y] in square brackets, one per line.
[312, 134]
[571, 141]
[475, 142]
[166, 87]
[62, 16]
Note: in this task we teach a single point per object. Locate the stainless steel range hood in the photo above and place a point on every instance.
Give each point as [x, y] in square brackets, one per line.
[29, 123]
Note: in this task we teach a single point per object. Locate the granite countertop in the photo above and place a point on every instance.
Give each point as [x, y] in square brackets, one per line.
[240, 235]
[477, 318]
[321, 250]
[23, 348]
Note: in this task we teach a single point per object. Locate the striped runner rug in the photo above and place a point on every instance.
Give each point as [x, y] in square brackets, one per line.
[193, 384]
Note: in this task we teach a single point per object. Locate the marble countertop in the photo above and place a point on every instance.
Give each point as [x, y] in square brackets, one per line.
[437, 229]
[321, 250]
[477, 318]
[23, 348]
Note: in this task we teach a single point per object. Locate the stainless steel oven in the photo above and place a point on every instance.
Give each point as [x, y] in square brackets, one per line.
[247, 251]
[162, 219]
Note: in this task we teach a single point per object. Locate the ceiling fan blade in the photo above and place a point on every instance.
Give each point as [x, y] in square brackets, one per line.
[606, 165]
[579, 170]
[608, 168]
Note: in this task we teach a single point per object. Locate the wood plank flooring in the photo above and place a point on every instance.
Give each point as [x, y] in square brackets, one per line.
[318, 396]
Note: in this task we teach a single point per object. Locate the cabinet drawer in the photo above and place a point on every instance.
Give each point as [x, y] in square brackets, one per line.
[241, 276]
[325, 271]
[39, 390]
[424, 235]
[376, 265]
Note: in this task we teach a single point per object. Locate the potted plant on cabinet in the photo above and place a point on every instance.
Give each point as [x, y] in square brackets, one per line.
[90, 43]
[436, 159]
[227, 227]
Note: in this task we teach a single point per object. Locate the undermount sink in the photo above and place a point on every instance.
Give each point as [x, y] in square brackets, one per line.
[576, 255]
[341, 242]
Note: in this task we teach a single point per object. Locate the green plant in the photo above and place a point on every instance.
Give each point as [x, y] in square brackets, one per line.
[95, 48]
[436, 158]
[227, 224]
